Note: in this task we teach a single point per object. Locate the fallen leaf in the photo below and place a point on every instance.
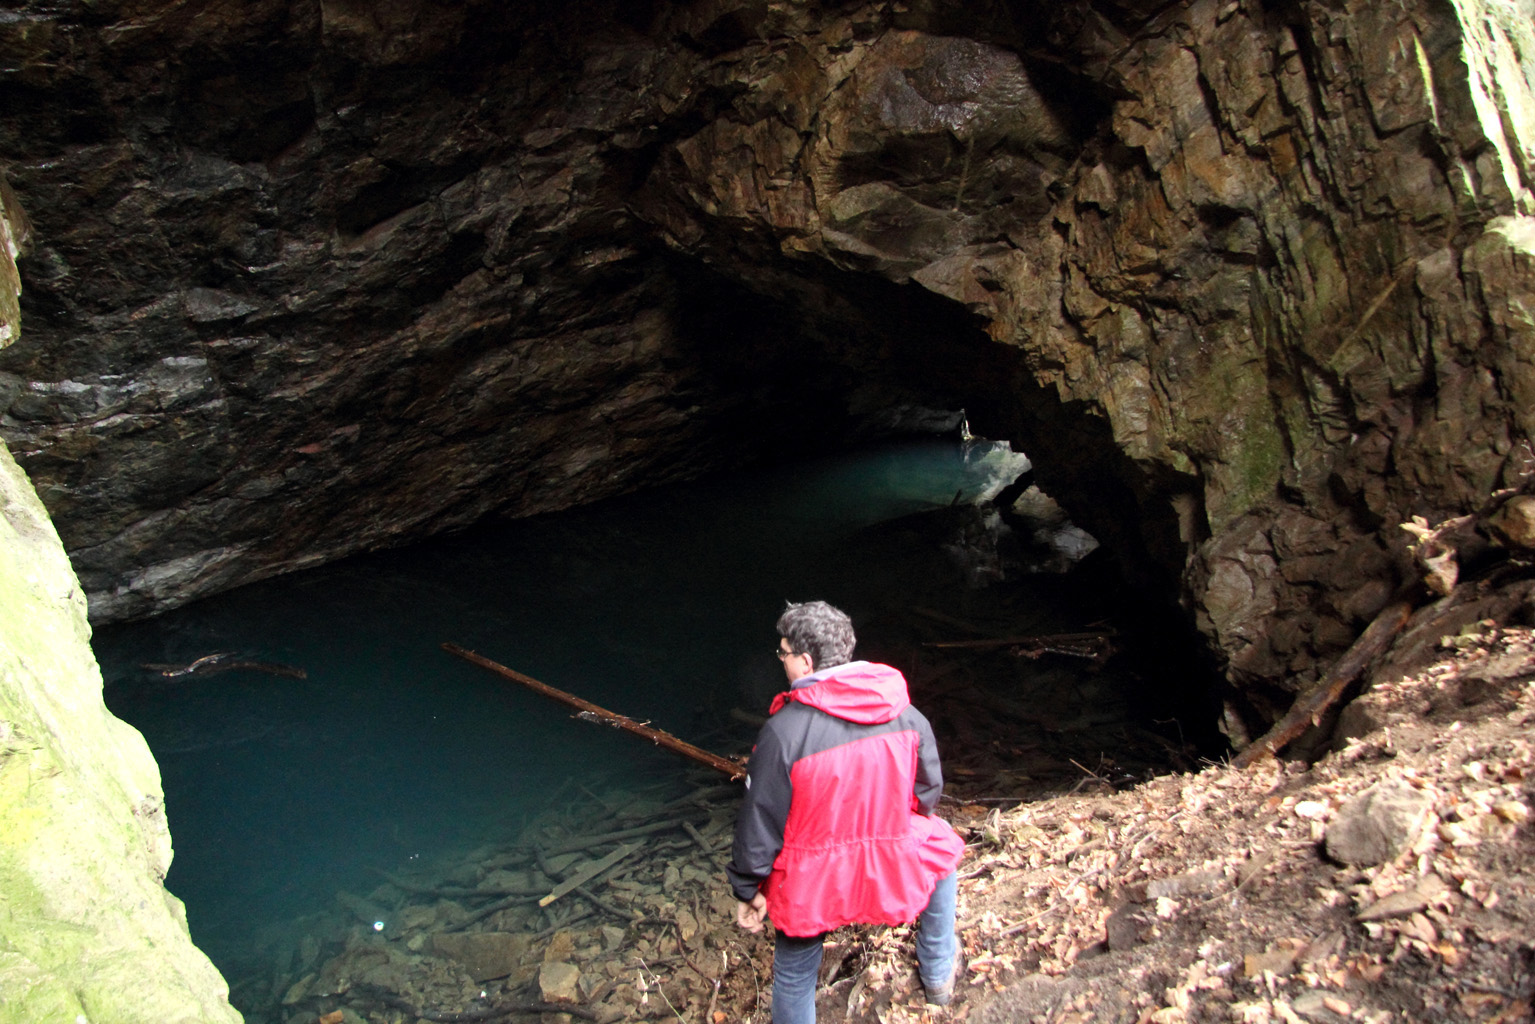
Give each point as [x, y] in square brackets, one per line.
[1448, 953]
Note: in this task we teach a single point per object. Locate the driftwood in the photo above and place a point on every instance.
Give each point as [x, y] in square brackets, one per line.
[1435, 547]
[949, 620]
[698, 837]
[492, 908]
[1022, 641]
[212, 664]
[1095, 646]
[700, 798]
[1309, 707]
[598, 901]
[452, 891]
[592, 712]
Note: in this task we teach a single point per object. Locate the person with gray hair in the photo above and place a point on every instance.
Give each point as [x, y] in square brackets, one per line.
[837, 825]
[819, 630]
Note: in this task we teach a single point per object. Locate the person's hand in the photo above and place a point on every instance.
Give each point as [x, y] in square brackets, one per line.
[751, 915]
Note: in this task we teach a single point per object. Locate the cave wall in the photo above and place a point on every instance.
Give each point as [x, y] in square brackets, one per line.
[87, 929]
[1279, 287]
[1248, 281]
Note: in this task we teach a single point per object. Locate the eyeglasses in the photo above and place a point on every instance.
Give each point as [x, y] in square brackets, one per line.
[782, 654]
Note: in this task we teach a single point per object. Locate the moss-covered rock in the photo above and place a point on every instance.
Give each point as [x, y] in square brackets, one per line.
[87, 930]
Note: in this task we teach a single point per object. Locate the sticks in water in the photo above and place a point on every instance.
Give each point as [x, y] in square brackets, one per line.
[211, 664]
[592, 712]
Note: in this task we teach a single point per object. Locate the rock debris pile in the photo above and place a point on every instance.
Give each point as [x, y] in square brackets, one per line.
[602, 911]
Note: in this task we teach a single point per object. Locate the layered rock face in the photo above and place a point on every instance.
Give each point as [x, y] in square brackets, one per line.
[87, 930]
[1249, 282]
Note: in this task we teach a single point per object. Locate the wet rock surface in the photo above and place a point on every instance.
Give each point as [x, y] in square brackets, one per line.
[1243, 280]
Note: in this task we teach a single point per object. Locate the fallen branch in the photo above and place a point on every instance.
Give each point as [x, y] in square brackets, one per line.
[493, 908]
[699, 798]
[611, 908]
[1310, 706]
[600, 714]
[1022, 641]
[212, 664]
[564, 923]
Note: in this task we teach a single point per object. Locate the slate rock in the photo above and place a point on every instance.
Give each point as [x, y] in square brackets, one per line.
[1407, 903]
[1514, 523]
[485, 955]
[1378, 825]
[559, 982]
[1125, 928]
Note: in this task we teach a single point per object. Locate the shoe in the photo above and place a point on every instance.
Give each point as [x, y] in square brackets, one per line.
[941, 995]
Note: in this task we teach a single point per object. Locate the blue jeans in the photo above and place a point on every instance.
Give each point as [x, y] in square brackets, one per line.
[797, 962]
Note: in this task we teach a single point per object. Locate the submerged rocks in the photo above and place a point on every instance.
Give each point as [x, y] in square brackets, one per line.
[559, 982]
[485, 955]
[598, 944]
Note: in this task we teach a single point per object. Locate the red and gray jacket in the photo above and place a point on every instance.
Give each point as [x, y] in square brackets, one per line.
[836, 826]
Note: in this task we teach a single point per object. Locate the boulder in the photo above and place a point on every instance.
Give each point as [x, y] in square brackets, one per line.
[559, 982]
[1379, 825]
[1514, 523]
[485, 955]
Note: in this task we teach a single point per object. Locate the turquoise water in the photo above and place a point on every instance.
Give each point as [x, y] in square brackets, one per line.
[281, 791]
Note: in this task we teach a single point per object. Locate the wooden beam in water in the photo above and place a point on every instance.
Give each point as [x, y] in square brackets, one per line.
[599, 714]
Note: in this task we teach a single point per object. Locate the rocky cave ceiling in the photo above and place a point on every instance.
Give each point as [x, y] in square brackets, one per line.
[1248, 280]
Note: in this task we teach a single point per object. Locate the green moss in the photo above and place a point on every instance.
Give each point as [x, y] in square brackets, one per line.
[85, 925]
[1258, 461]
[32, 995]
[1233, 423]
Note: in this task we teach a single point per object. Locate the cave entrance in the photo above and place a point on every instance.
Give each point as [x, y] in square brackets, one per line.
[841, 357]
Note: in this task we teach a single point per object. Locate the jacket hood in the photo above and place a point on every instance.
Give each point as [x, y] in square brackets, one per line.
[860, 691]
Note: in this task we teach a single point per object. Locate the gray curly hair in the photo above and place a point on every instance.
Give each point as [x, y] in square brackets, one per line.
[819, 630]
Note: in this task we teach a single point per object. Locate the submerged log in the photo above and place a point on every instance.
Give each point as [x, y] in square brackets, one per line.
[1044, 640]
[594, 713]
[212, 664]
